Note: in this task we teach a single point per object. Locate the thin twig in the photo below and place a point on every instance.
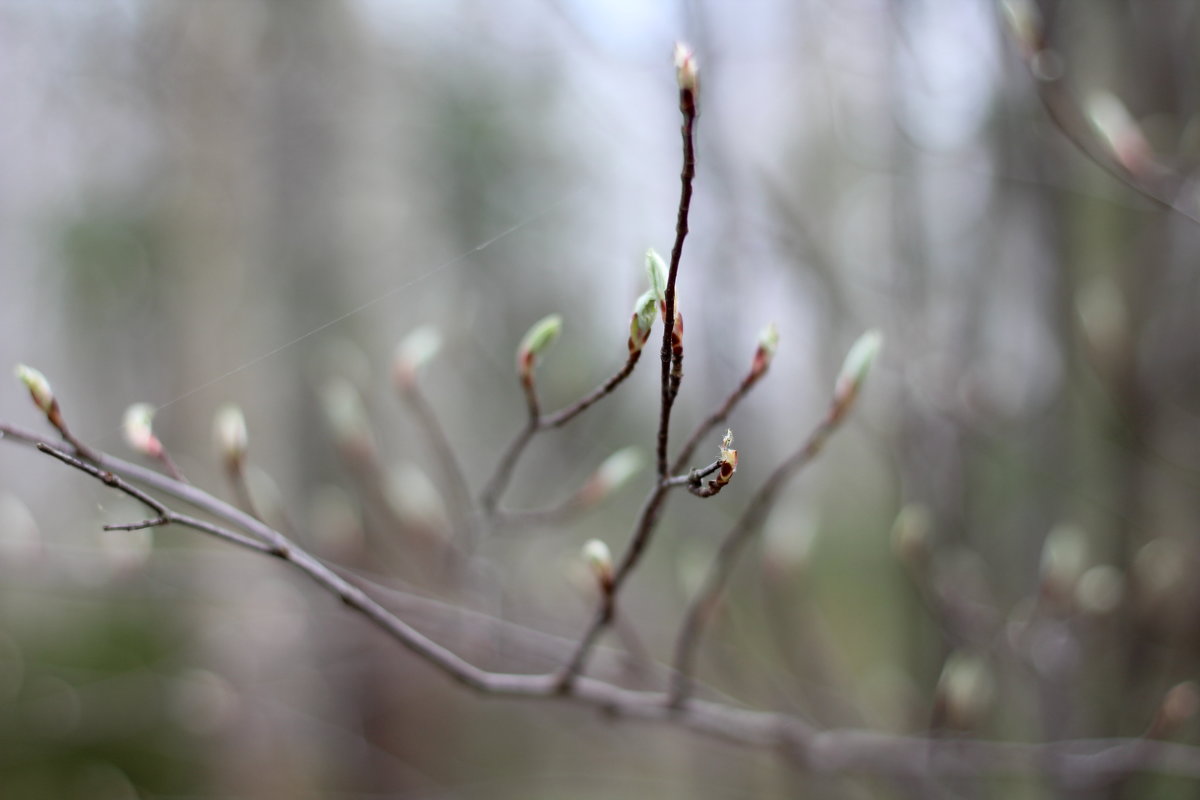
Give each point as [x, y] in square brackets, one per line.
[670, 386]
[1080, 762]
[502, 474]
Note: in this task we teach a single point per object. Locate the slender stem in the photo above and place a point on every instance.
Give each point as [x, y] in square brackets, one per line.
[670, 386]
[502, 474]
[565, 415]
[700, 609]
[693, 478]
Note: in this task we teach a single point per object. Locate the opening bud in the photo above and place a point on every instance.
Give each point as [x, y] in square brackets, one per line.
[642, 321]
[686, 68]
[537, 339]
[854, 371]
[138, 430]
[229, 433]
[656, 269]
[38, 386]
[599, 561]
[413, 352]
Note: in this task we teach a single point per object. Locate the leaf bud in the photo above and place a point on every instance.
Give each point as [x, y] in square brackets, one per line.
[38, 386]
[656, 269]
[138, 430]
[229, 433]
[599, 560]
[642, 321]
[686, 68]
[854, 371]
[537, 339]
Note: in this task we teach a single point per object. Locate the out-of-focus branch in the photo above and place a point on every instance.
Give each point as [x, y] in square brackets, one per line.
[1078, 763]
[846, 389]
[1103, 132]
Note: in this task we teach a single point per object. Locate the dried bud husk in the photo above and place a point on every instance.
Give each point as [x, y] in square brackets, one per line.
[537, 339]
[642, 321]
[230, 436]
[599, 560]
[137, 426]
[726, 464]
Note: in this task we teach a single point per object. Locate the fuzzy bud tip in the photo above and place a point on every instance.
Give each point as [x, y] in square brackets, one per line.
[414, 351]
[537, 339]
[138, 430]
[38, 386]
[855, 368]
[656, 270]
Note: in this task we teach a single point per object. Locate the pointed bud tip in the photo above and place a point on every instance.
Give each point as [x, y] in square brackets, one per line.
[38, 386]
[858, 363]
[656, 270]
[538, 338]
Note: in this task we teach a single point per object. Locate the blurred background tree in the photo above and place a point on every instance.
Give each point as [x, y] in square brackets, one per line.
[247, 200]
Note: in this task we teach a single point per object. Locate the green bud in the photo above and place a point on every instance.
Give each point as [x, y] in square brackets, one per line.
[656, 268]
[644, 311]
[537, 339]
[855, 368]
[38, 386]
